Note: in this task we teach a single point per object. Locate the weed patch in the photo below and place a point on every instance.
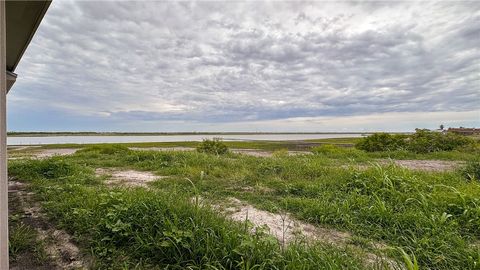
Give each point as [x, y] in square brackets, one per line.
[433, 216]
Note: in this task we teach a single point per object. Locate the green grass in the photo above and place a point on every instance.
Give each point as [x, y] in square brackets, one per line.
[260, 145]
[433, 217]
[344, 149]
[23, 239]
[152, 229]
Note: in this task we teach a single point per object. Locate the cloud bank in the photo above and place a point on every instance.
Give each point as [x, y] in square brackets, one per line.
[259, 66]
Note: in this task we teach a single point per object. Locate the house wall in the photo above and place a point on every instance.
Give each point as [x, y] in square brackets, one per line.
[3, 145]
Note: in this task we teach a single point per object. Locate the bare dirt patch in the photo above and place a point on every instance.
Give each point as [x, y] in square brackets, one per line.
[419, 165]
[287, 229]
[46, 153]
[128, 178]
[284, 227]
[424, 165]
[62, 251]
[19, 148]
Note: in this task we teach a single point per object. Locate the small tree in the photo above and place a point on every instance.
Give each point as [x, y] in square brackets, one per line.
[441, 127]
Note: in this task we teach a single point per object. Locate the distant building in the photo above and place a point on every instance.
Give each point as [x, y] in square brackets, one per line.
[465, 131]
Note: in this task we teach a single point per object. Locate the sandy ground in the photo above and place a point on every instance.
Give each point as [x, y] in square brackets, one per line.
[418, 165]
[62, 252]
[128, 178]
[54, 152]
[21, 152]
[287, 229]
[284, 227]
[21, 148]
[424, 165]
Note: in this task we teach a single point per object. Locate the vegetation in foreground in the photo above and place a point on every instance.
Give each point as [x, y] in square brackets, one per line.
[24, 244]
[433, 217]
[153, 229]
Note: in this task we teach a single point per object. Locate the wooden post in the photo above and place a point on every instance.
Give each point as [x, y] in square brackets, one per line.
[3, 143]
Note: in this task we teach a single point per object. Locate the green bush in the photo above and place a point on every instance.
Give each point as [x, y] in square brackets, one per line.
[382, 142]
[214, 146]
[423, 141]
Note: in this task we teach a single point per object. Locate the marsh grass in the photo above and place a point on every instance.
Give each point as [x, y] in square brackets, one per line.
[433, 217]
[148, 229]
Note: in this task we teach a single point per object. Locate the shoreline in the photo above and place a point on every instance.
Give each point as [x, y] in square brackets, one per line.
[62, 134]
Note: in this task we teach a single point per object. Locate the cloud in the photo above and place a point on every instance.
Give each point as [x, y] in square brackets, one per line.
[140, 64]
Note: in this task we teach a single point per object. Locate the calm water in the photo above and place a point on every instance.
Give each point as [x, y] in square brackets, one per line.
[168, 138]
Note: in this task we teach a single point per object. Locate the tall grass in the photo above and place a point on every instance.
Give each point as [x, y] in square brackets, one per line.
[434, 217]
[138, 228]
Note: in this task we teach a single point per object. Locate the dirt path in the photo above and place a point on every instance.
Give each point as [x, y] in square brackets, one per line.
[22, 148]
[46, 153]
[287, 229]
[424, 165]
[33, 152]
[284, 227]
[61, 250]
[129, 178]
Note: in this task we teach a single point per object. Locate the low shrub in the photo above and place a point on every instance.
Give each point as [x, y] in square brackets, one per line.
[382, 142]
[213, 146]
[422, 141]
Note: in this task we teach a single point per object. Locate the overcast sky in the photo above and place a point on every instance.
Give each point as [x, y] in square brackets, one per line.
[250, 66]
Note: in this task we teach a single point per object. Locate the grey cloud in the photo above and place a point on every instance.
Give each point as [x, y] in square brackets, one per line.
[242, 61]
